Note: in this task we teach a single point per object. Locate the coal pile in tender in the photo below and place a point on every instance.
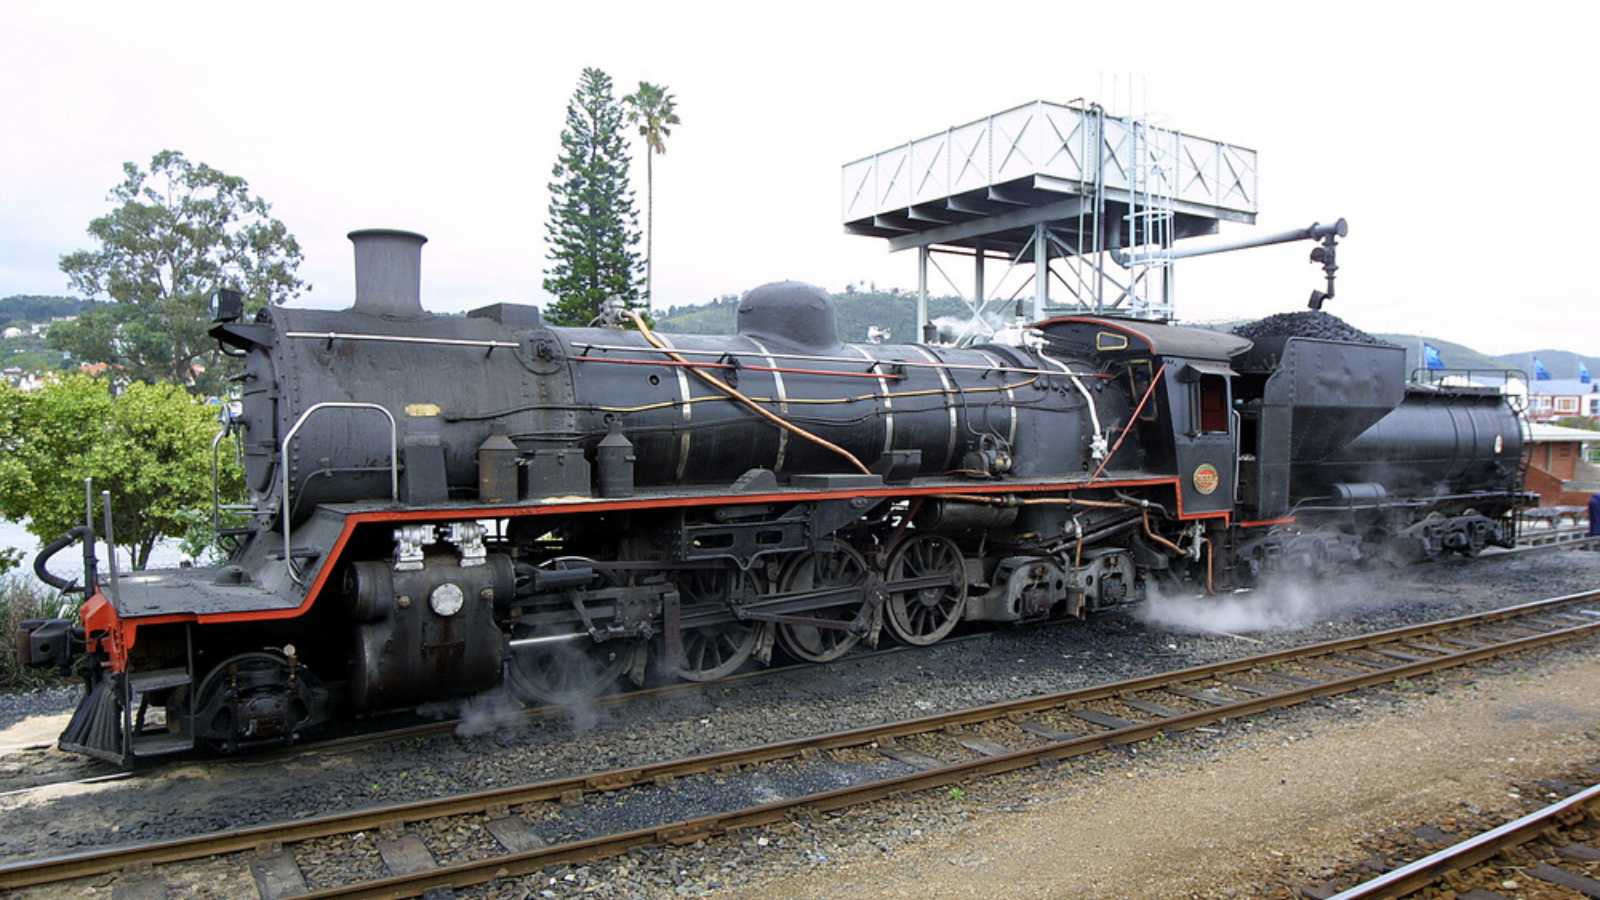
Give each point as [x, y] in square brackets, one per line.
[1310, 323]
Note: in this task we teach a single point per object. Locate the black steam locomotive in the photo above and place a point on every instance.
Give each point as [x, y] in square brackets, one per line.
[444, 503]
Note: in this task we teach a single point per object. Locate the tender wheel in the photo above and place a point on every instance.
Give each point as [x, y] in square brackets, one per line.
[563, 672]
[839, 567]
[922, 617]
[717, 651]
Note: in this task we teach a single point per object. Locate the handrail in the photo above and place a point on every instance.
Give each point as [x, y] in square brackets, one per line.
[216, 492]
[283, 462]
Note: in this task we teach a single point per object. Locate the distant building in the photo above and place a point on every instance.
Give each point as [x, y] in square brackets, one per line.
[1560, 397]
[1557, 468]
[22, 379]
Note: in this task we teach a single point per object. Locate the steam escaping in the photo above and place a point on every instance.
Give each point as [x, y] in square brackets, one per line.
[498, 710]
[1283, 606]
[953, 328]
[492, 710]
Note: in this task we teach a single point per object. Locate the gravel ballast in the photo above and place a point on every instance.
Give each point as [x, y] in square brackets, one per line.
[18, 705]
[201, 796]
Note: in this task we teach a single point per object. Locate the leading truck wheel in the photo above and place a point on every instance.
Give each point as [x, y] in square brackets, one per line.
[565, 666]
[251, 699]
[839, 567]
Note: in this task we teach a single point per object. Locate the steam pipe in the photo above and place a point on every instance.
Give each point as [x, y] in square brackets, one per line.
[1315, 232]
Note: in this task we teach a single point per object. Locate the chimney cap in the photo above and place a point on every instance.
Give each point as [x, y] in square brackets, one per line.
[386, 232]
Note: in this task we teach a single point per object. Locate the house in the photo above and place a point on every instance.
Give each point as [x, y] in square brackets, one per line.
[1558, 397]
[12, 332]
[1558, 470]
[22, 379]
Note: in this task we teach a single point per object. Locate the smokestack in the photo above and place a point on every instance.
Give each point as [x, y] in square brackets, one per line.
[388, 272]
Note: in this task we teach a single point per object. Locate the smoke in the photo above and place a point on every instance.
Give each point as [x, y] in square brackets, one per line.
[1278, 606]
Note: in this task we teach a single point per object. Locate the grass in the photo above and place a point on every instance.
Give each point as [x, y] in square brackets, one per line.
[21, 598]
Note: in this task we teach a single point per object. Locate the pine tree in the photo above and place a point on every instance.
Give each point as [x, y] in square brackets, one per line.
[593, 225]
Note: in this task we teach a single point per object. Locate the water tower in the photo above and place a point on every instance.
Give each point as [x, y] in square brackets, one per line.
[1079, 208]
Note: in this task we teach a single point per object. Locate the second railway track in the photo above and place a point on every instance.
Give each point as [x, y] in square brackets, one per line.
[1573, 866]
[509, 826]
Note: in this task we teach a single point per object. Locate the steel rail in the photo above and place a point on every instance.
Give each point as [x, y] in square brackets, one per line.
[66, 867]
[809, 357]
[782, 370]
[621, 698]
[1417, 875]
[691, 830]
[441, 726]
[1571, 538]
[396, 339]
[813, 357]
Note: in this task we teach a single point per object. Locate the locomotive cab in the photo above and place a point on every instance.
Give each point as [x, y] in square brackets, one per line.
[1181, 382]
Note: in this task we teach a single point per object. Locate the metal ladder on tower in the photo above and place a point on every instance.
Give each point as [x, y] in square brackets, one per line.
[1152, 180]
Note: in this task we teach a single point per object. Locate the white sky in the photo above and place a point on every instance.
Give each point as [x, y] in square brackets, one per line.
[1459, 144]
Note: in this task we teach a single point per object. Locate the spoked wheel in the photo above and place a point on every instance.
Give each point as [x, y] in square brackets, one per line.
[926, 615]
[567, 670]
[839, 567]
[262, 686]
[717, 651]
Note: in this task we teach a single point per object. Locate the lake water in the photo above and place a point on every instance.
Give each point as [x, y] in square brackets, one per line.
[69, 563]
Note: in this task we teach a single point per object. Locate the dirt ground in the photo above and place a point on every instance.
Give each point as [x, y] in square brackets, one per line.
[1211, 829]
[33, 730]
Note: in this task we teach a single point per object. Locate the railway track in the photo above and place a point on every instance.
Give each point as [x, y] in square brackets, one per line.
[1575, 867]
[1536, 542]
[519, 830]
[355, 741]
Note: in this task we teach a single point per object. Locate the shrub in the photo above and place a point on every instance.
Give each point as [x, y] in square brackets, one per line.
[22, 598]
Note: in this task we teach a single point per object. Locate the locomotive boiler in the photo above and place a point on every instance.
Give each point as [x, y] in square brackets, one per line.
[443, 504]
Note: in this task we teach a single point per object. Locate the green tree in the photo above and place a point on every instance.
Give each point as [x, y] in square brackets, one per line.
[653, 109]
[593, 225]
[150, 447]
[178, 231]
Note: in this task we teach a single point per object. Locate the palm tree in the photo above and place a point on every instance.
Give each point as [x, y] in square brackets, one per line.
[652, 108]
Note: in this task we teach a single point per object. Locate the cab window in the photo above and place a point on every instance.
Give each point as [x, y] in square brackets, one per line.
[1212, 405]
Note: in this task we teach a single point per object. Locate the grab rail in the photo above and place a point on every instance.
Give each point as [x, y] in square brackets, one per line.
[283, 461]
[217, 506]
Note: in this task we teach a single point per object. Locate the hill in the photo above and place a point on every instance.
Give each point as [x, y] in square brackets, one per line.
[38, 308]
[1455, 356]
[1561, 363]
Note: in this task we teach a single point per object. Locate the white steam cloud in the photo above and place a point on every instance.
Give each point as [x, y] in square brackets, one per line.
[492, 710]
[1284, 606]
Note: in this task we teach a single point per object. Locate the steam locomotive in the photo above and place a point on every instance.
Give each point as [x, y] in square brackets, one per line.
[441, 504]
